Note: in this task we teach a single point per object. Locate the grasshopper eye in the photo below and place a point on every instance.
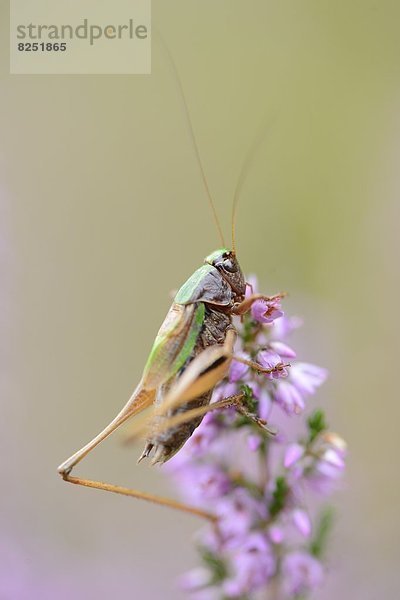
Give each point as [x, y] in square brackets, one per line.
[229, 265]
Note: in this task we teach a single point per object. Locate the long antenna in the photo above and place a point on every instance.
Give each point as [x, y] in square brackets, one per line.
[242, 177]
[192, 136]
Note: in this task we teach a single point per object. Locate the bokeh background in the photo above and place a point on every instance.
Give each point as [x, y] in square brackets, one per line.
[103, 213]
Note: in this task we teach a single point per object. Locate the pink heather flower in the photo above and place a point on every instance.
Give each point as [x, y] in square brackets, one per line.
[276, 534]
[225, 390]
[264, 404]
[323, 478]
[330, 463]
[282, 349]
[302, 522]
[270, 360]
[332, 457]
[293, 453]
[238, 369]
[266, 312]
[262, 395]
[289, 398]
[326, 471]
[238, 512]
[307, 378]
[255, 484]
[262, 311]
[251, 565]
[283, 327]
[202, 482]
[301, 573]
[254, 442]
[195, 579]
[210, 481]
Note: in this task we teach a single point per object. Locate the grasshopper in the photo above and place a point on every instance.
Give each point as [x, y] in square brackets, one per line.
[191, 354]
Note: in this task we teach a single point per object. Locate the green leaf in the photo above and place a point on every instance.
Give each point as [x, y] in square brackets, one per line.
[316, 424]
[322, 531]
[279, 496]
[216, 566]
[249, 400]
[249, 329]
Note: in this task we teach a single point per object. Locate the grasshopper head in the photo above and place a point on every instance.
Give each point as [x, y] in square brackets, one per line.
[227, 264]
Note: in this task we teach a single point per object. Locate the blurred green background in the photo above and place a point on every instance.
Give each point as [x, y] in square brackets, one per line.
[103, 213]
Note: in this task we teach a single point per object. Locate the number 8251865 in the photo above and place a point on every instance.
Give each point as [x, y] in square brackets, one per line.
[42, 47]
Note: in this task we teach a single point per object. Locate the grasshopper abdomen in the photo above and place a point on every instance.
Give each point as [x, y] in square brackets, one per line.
[166, 443]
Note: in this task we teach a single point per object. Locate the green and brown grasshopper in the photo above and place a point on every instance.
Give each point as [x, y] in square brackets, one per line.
[191, 354]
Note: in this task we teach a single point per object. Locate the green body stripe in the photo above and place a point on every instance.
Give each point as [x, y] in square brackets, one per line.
[170, 349]
[185, 293]
[191, 338]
